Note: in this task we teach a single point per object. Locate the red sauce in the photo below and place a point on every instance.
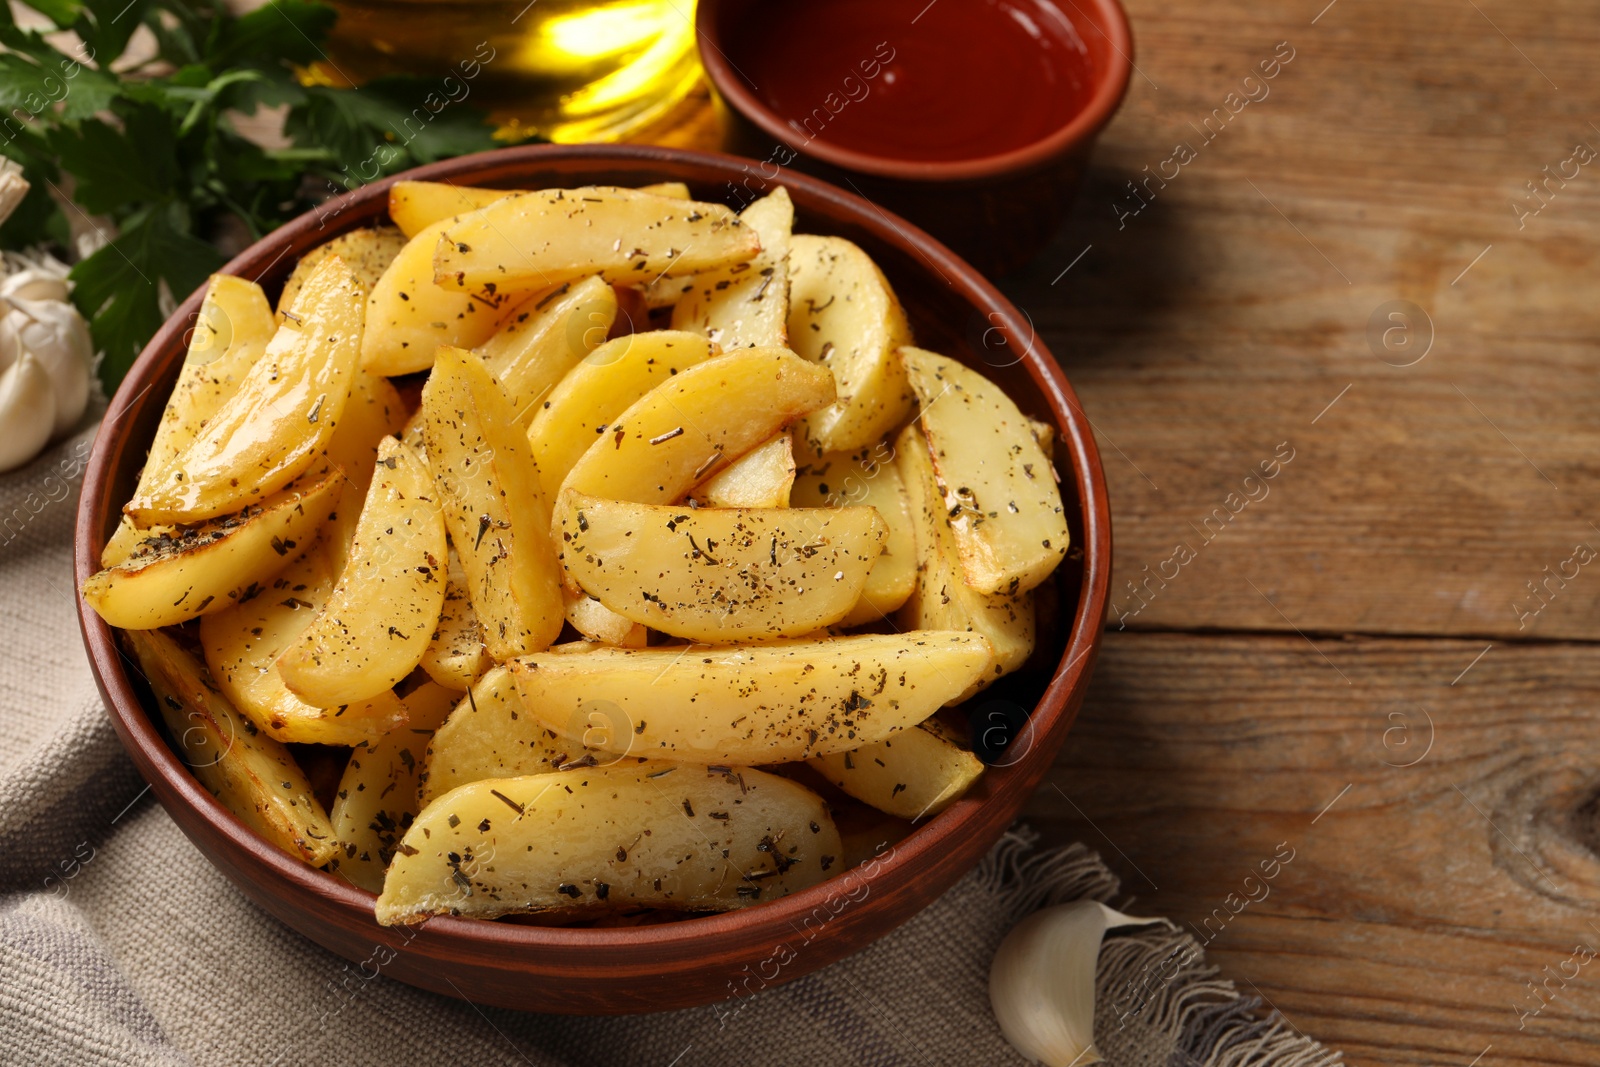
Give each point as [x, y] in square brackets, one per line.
[966, 79]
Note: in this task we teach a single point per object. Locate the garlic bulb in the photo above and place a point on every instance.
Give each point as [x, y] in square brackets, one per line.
[27, 411]
[38, 322]
[36, 283]
[1041, 983]
[54, 332]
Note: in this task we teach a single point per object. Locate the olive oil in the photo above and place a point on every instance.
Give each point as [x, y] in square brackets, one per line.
[568, 70]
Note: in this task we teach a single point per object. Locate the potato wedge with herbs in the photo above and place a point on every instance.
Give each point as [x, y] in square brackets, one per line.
[757, 704]
[761, 478]
[844, 315]
[1045, 434]
[539, 239]
[242, 646]
[671, 190]
[230, 333]
[179, 573]
[489, 734]
[579, 410]
[377, 796]
[414, 205]
[373, 412]
[695, 423]
[719, 575]
[366, 252]
[408, 316]
[494, 508]
[382, 614]
[598, 623]
[645, 834]
[998, 485]
[456, 657]
[746, 305]
[254, 776]
[280, 419]
[867, 478]
[913, 774]
[942, 598]
[545, 339]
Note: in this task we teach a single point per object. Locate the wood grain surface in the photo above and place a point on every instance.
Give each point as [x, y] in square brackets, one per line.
[1329, 623]
[1442, 835]
[1233, 308]
[1238, 699]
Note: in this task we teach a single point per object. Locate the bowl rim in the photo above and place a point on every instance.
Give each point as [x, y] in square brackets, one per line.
[1109, 90]
[139, 733]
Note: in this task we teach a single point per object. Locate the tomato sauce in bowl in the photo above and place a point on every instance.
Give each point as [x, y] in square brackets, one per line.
[909, 80]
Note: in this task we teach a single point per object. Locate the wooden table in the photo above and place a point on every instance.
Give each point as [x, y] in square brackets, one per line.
[1355, 662]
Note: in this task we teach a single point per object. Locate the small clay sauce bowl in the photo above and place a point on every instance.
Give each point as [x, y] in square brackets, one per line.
[696, 960]
[972, 118]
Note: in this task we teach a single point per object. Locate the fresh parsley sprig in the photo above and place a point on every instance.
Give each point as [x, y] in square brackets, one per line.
[152, 146]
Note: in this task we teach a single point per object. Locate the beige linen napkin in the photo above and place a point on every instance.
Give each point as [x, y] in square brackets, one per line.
[119, 944]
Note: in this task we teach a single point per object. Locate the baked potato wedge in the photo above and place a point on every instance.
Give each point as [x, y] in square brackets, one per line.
[758, 704]
[541, 239]
[279, 420]
[494, 508]
[414, 205]
[761, 478]
[746, 305]
[489, 734]
[719, 575]
[579, 410]
[408, 316]
[942, 599]
[912, 774]
[647, 834]
[693, 424]
[844, 315]
[366, 252]
[242, 646]
[867, 477]
[179, 573]
[600, 624]
[456, 657]
[373, 411]
[230, 333]
[253, 775]
[381, 616]
[544, 339]
[997, 482]
[377, 796]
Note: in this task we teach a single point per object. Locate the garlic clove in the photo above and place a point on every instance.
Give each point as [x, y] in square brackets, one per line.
[57, 335]
[10, 341]
[35, 284]
[13, 187]
[27, 411]
[1041, 983]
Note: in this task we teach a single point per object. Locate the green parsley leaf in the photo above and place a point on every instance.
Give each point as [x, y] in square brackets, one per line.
[152, 146]
[290, 31]
[118, 287]
[105, 26]
[62, 13]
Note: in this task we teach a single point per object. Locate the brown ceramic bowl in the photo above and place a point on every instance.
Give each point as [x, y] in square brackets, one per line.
[696, 960]
[997, 211]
